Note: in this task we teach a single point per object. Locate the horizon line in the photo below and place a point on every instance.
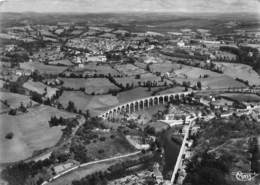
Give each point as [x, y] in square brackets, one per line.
[128, 12]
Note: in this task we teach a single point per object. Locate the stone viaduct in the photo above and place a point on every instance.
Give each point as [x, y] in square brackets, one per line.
[141, 103]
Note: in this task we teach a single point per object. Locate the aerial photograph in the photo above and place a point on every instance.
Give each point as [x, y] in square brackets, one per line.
[129, 92]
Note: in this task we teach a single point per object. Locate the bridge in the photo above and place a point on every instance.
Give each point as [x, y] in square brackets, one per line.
[139, 104]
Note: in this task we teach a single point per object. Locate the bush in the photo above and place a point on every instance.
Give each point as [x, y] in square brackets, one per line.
[102, 138]
[10, 135]
[112, 136]
[12, 112]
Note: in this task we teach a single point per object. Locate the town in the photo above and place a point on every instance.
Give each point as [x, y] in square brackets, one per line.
[109, 99]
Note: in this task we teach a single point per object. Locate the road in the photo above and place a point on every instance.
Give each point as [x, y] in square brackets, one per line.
[90, 163]
[182, 150]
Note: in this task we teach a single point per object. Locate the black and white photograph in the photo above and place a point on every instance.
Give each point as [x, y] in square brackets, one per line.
[129, 92]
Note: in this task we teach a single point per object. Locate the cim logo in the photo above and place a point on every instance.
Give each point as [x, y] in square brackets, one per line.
[245, 177]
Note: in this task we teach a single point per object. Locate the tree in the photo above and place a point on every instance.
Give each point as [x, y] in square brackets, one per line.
[22, 108]
[36, 97]
[9, 135]
[199, 85]
[71, 107]
[80, 153]
[13, 112]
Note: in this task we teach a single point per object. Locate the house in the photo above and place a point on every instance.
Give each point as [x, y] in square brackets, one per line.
[97, 58]
[181, 43]
[157, 173]
[23, 72]
[62, 167]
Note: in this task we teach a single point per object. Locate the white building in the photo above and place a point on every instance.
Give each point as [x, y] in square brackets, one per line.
[181, 43]
[97, 58]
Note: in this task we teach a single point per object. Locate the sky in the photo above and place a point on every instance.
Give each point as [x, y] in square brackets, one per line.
[189, 6]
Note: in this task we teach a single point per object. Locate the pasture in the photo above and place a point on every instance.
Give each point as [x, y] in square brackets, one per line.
[241, 71]
[93, 69]
[85, 102]
[164, 67]
[148, 77]
[14, 100]
[31, 132]
[220, 82]
[194, 72]
[40, 88]
[92, 85]
[242, 97]
[129, 69]
[42, 68]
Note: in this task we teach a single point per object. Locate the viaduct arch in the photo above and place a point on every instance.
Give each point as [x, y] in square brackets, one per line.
[139, 104]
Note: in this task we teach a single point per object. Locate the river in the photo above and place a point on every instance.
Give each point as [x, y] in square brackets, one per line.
[171, 150]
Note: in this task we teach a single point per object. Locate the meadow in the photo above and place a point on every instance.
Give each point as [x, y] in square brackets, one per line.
[42, 68]
[31, 132]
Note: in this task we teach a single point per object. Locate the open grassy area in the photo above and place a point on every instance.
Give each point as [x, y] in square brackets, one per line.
[64, 62]
[133, 94]
[242, 97]
[164, 67]
[14, 100]
[194, 72]
[83, 101]
[93, 69]
[129, 69]
[4, 108]
[221, 82]
[172, 90]
[241, 71]
[113, 144]
[40, 88]
[31, 132]
[42, 68]
[91, 85]
[148, 77]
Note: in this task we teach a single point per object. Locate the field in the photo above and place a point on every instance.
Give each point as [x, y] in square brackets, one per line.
[165, 67]
[2, 83]
[111, 146]
[129, 69]
[42, 68]
[39, 88]
[61, 62]
[91, 69]
[3, 108]
[133, 94]
[83, 101]
[172, 90]
[241, 71]
[220, 82]
[14, 100]
[242, 97]
[91, 85]
[31, 132]
[194, 72]
[143, 79]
